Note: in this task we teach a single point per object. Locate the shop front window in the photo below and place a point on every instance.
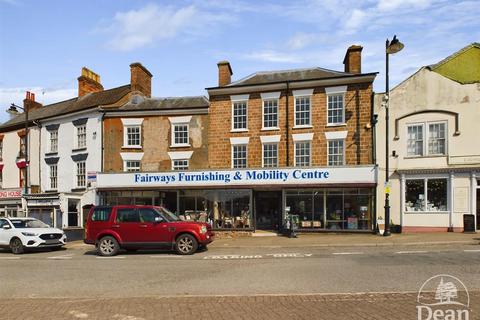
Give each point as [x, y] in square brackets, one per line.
[330, 209]
[433, 200]
[223, 209]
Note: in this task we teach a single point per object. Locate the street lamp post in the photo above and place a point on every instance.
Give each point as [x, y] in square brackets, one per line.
[14, 111]
[391, 47]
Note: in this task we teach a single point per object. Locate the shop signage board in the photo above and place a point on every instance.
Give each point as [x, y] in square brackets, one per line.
[244, 177]
[10, 193]
[92, 176]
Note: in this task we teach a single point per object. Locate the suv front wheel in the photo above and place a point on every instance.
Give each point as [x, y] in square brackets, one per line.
[108, 246]
[186, 244]
[16, 246]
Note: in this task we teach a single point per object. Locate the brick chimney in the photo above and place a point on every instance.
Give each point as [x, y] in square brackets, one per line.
[140, 79]
[29, 102]
[353, 59]
[224, 73]
[88, 82]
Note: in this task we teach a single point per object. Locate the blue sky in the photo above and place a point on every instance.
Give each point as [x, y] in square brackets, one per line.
[44, 44]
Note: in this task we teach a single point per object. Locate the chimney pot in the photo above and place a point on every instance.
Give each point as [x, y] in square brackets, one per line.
[29, 102]
[224, 73]
[140, 79]
[353, 59]
[88, 82]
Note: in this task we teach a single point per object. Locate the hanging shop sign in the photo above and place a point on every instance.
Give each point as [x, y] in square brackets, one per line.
[364, 175]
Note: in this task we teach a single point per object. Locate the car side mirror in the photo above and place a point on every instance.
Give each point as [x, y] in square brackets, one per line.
[6, 227]
[158, 219]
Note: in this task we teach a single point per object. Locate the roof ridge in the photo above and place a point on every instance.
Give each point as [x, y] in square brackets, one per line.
[260, 73]
[89, 94]
[453, 55]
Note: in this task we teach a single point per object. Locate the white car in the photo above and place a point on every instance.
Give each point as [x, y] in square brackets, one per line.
[19, 234]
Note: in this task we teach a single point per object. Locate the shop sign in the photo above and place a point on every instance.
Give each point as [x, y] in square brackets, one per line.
[92, 176]
[10, 193]
[43, 202]
[240, 177]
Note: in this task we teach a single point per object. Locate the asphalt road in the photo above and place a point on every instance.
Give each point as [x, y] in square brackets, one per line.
[79, 273]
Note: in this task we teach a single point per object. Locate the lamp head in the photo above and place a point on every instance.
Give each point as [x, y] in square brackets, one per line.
[394, 46]
[13, 110]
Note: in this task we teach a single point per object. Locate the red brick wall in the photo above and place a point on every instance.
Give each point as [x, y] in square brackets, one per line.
[358, 143]
[156, 136]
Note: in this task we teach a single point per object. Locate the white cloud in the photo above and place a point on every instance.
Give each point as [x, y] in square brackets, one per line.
[390, 5]
[152, 23]
[356, 20]
[42, 95]
[300, 40]
[272, 56]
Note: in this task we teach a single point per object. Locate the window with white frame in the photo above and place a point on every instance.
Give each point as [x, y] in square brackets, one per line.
[239, 115]
[133, 136]
[131, 166]
[426, 195]
[415, 140]
[180, 134]
[132, 132]
[239, 156]
[302, 111]
[54, 141]
[335, 109]
[436, 138]
[1, 149]
[81, 174]
[336, 152]
[302, 153]
[81, 136]
[270, 113]
[53, 177]
[180, 164]
[270, 155]
[434, 144]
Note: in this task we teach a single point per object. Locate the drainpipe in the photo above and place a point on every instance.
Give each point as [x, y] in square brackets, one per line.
[101, 139]
[374, 160]
[286, 126]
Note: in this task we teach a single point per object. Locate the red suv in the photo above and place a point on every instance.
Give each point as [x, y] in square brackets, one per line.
[111, 228]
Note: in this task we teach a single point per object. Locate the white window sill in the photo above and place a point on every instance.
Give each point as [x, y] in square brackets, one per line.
[270, 129]
[239, 130]
[303, 127]
[426, 212]
[184, 145]
[343, 124]
[131, 147]
[427, 156]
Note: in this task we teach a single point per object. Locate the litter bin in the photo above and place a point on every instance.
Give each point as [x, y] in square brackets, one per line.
[468, 223]
[292, 225]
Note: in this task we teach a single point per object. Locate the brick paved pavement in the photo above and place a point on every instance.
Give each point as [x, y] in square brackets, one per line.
[393, 306]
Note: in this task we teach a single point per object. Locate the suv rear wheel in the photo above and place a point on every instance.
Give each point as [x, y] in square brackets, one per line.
[108, 246]
[186, 244]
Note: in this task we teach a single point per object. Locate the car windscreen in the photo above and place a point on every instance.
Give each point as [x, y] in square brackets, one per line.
[28, 223]
[168, 214]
